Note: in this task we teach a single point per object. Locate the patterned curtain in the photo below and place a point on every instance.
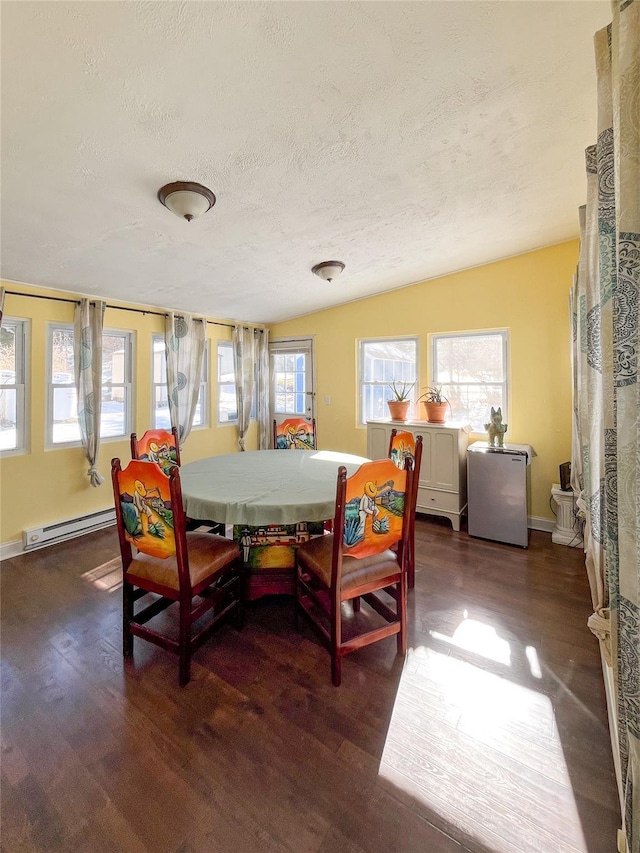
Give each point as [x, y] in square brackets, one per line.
[244, 346]
[606, 455]
[265, 433]
[184, 338]
[87, 351]
[1, 304]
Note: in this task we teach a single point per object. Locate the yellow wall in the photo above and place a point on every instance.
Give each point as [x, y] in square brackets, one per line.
[527, 294]
[43, 486]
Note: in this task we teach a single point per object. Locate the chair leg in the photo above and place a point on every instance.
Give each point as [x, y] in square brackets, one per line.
[127, 616]
[411, 567]
[356, 604]
[336, 668]
[401, 637]
[240, 606]
[336, 641]
[184, 652]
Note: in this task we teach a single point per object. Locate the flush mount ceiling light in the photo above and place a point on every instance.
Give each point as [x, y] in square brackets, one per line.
[328, 270]
[186, 199]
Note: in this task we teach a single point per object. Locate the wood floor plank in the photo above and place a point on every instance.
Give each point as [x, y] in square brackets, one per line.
[491, 737]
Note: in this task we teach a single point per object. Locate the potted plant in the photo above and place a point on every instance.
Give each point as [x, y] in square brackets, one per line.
[401, 400]
[435, 404]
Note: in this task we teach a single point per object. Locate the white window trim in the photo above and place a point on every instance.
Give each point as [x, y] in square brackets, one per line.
[475, 333]
[129, 335]
[361, 423]
[23, 395]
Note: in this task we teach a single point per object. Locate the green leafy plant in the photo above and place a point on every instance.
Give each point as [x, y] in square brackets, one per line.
[401, 391]
[433, 394]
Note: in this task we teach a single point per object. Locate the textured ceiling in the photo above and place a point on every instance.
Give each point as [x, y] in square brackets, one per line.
[406, 139]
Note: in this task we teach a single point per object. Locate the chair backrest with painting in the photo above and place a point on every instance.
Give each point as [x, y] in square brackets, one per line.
[146, 507]
[402, 444]
[159, 446]
[376, 503]
[294, 434]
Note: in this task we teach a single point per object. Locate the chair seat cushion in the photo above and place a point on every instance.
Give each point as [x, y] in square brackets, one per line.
[316, 556]
[208, 554]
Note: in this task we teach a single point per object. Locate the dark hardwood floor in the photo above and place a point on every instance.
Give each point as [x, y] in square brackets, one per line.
[490, 737]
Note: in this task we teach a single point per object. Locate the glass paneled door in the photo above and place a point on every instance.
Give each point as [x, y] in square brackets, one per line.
[292, 379]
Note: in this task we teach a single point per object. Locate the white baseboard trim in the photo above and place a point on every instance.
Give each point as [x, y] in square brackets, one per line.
[11, 549]
[16, 548]
[534, 522]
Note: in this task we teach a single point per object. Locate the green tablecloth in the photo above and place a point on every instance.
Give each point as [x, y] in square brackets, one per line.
[265, 486]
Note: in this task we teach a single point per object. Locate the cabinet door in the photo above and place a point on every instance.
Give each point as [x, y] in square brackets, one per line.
[444, 460]
[426, 466]
[378, 441]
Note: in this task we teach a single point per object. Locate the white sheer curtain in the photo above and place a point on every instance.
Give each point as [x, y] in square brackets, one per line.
[184, 338]
[264, 388]
[87, 346]
[244, 356]
[606, 454]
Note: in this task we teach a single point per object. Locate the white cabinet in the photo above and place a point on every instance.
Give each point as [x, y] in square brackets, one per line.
[442, 489]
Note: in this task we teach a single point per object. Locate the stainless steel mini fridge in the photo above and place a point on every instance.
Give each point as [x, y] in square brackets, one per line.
[497, 493]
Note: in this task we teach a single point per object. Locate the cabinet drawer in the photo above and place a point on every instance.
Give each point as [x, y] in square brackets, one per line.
[435, 499]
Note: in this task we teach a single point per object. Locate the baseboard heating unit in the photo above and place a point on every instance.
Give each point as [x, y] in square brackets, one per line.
[38, 537]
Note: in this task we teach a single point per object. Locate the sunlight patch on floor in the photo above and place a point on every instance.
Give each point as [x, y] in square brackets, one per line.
[107, 577]
[479, 638]
[482, 753]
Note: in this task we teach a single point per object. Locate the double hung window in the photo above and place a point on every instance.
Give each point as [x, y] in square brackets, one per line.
[13, 377]
[62, 420]
[472, 369]
[382, 362]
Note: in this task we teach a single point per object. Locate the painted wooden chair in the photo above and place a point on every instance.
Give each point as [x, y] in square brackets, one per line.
[357, 561]
[295, 434]
[200, 572]
[159, 446]
[405, 445]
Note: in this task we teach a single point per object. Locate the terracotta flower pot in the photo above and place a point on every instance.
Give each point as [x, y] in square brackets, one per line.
[398, 409]
[436, 412]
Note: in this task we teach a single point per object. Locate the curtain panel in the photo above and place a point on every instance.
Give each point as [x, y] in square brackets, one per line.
[265, 433]
[251, 364]
[87, 354]
[606, 453]
[244, 364]
[184, 338]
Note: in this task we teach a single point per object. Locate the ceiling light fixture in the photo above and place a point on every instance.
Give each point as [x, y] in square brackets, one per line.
[328, 270]
[186, 199]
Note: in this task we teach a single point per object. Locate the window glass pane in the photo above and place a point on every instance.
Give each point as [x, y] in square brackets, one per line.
[228, 410]
[62, 356]
[115, 386]
[8, 354]
[159, 362]
[8, 415]
[472, 371]
[381, 363]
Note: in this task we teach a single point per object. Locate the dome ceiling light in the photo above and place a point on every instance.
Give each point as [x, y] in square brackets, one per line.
[328, 270]
[186, 199]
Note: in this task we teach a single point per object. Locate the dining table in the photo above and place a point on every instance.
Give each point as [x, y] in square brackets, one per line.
[274, 500]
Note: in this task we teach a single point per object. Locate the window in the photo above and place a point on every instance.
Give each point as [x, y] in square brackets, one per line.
[289, 377]
[160, 415]
[383, 362]
[116, 386]
[472, 370]
[13, 373]
[227, 406]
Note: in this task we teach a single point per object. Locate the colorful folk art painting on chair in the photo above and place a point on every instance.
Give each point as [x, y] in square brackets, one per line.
[159, 446]
[374, 506]
[145, 499]
[403, 446]
[294, 434]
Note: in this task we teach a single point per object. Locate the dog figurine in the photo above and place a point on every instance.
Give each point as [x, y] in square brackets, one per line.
[496, 428]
